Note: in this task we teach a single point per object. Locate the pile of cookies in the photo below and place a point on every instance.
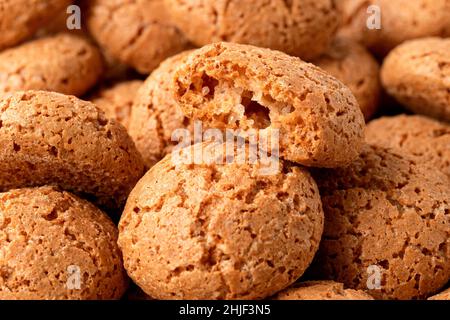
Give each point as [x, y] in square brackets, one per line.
[191, 149]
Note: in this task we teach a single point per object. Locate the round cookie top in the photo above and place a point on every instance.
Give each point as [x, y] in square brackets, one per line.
[155, 114]
[219, 231]
[54, 245]
[139, 33]
[67, 64]
[235, 86]
[444, 295]
[419, 18]
[417, 74]
[352, 64]
[320, 290]
[51, 138]
[117, 100]
[301, 28]
[20, 19]
[387, 221]
[425, 139]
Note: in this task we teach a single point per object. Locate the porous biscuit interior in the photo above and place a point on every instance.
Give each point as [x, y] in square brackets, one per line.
[231, 86]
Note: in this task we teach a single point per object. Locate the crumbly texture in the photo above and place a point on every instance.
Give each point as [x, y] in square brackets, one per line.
[156, 115]
[321, 290]
[20, 19]
[117, 100]
[444, 295]
[417, 74]
[219, 231]
[301, 28]
[62, 63]
[237, 86]
[45, 234]
[50, 138]
[352, 64]
[427, 140]
[139, 33]
[418, 19]
[389, 212]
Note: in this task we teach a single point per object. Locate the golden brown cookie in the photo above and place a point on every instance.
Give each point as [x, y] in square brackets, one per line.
[20, 19]
[235, 86]
[155, 114]
[54, 245]
[138, 33]
[116, 100]
[63, 63]
[352, 64]
[320, 290]
[425, 139]
[50, 138]
[444, 295]
[417, 74]
[387, 226]
[301, 28]
[219, 231]
[401, 20]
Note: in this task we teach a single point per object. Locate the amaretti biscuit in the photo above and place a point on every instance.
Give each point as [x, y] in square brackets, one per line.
[20, 19]
[427, 140]
[352, 64]
[301, 28]
[219, 231]
[444, 295]
[320, 290]
[398, 21]
[138, 33]
[417, 74]
[54, 245]
[156, 115]
[117, 100]
[51, 138]
[387, 221]
[63, 63]
[235, 86]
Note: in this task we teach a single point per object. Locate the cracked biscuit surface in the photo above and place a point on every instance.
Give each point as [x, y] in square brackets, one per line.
[427, 140]
[352, 64]
[301, 28]
[155, 114]
[47, 238]
[51, 138]
[320, 290]
[219, 231]
[417, 74]
[117, 100]
[388, 212]
[235, 86]
[20, 19]
[63, 63]
[138, 33]
[418, 19]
